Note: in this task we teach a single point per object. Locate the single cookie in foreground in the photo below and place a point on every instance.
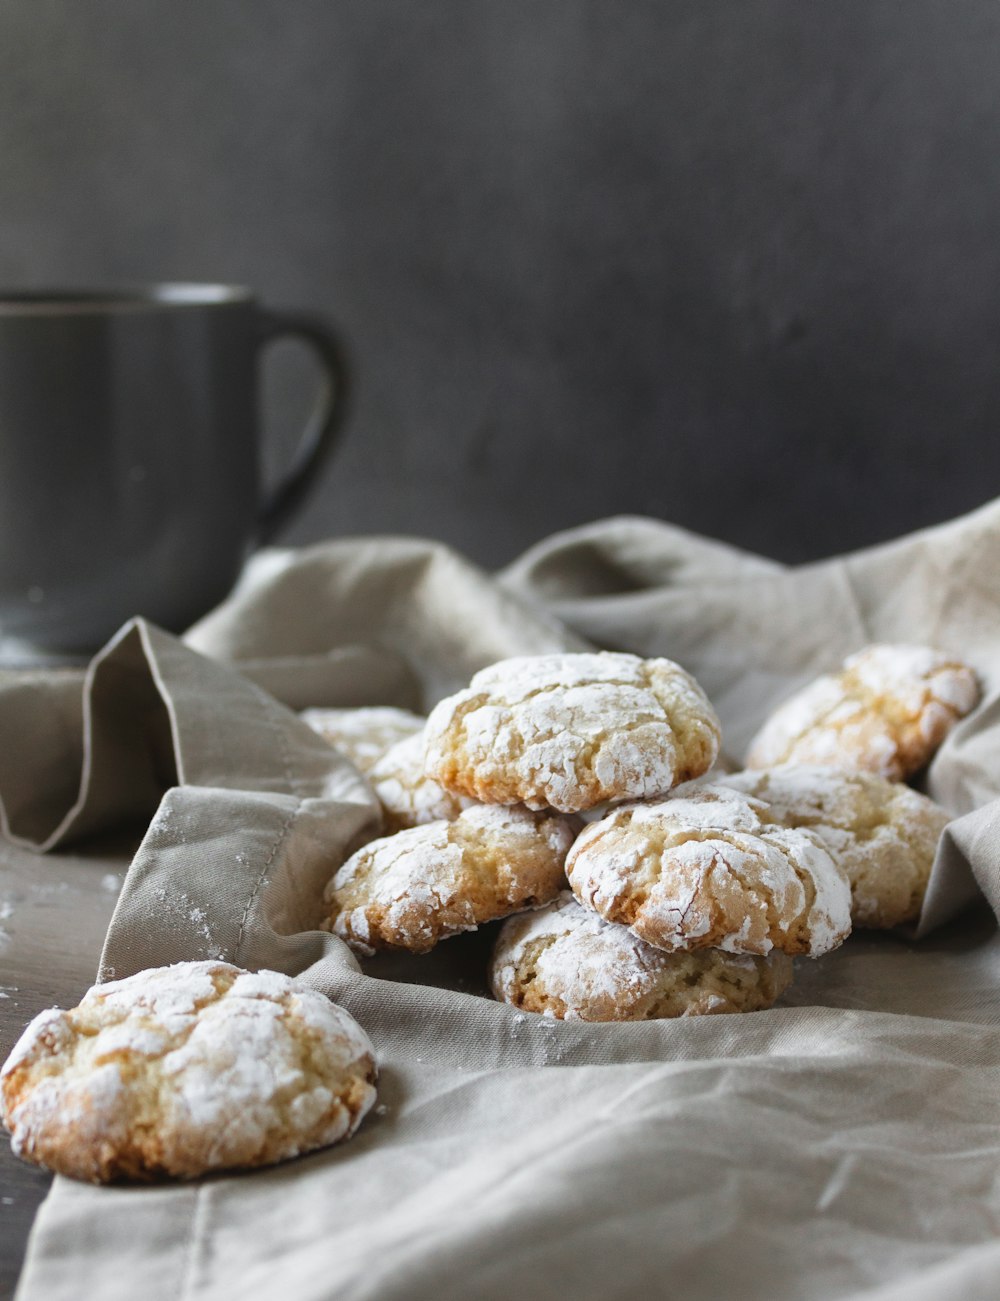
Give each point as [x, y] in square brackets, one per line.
[409, 797]
[363, 735]
[885, 712]
[569, 731]
[565, 961]
[708, 868]
[185, 1069]
[410, 890]
[883, 834]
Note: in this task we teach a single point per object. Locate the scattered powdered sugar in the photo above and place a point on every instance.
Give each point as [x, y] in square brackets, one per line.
[178, 909]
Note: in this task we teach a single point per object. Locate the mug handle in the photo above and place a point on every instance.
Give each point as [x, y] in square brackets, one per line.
[325, 422]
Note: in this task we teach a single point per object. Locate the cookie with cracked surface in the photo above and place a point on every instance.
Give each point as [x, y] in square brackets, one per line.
[883, 834]
[363, 735]
[570, 731]
[180, 1070]
[709, 868]
[408, 796]
[410, 890]
[886, 712]
[565, 961]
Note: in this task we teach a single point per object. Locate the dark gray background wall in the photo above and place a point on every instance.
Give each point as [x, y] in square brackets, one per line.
[732, 263]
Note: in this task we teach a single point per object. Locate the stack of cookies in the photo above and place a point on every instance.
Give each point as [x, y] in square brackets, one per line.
[690, 890]
[574, 796]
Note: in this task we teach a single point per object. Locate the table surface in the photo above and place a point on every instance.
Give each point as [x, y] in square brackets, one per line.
[54, 912]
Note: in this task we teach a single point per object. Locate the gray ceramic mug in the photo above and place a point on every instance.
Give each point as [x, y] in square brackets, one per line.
[129, 479]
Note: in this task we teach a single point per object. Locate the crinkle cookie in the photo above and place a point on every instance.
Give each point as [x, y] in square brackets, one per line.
[885, 712]
[883, 834]
[708, 868]
[409, 797]
[565, 961]
[363, 735]
[185, 1069]
[410, 890]
[568, 731]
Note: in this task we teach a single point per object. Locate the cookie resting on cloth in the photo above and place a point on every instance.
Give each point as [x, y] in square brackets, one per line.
[883, 834]
[886, 712]
[363, 735]
[410, 890]
[708, 867]
[185, 1069]
[565, 961]
[569, 731]
[410, 798]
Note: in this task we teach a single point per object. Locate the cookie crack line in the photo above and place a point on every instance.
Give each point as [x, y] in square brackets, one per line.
[593, 744]
[799, 927]
[535, 948]
[759, 893]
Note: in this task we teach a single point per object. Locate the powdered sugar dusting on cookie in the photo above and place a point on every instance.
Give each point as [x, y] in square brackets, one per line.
[184, 1069]
[567, 962]
[418, 877]
[704, 868]
[882, 834]
[411, 798]
[885, 712]
[569, 731]
[424, 884]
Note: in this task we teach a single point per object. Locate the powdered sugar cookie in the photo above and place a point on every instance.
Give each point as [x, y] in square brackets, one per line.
[708, 868]
[363, 735]
[410, 890]
[184, 1069]
[569, 731]
[565, 961]
[883, 834]
[409, 797]
[886, 712]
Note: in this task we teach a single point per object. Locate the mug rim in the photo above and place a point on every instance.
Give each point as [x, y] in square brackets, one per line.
[155, 295]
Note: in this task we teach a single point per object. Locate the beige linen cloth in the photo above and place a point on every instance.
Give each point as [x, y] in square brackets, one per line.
[844, 1144]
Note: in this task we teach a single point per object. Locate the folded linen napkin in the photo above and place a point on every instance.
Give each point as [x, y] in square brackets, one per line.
[844, 1144]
